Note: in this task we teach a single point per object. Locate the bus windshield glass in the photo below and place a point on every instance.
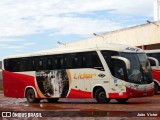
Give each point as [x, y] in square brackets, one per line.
[140, 71]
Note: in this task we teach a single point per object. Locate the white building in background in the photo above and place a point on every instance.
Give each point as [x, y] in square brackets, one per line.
[157, 10]
[145, 36]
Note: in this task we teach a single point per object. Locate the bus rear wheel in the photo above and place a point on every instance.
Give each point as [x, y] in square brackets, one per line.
[31, 98]
[52, 100]
[122, 100]
[100, 96]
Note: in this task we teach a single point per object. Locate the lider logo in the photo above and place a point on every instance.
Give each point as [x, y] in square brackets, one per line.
[132, 49]
[83, 75]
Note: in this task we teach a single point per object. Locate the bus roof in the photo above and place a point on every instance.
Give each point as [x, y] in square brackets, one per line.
[153, 51]
[70, 49]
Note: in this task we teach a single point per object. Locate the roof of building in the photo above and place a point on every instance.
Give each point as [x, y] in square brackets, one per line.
[144, 34]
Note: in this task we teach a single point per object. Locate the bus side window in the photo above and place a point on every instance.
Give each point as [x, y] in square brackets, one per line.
[33, 63]
[95, 61]
[28, 64]
[107, 56]
[7, 65]
[65, 64]
[59, 62]
[84, 60]
[68, 62]
[40, 63]
[21, 68]
[148, 54]
[14, 65]
[75, 61]
[18, 65]
[152, 62]
[156, 55]
[24, 62]
[49, 63]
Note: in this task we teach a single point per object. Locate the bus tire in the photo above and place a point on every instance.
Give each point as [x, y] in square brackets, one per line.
[122, 100]
[31, 97]
[156, 88]
[52, 100]
[100, 96]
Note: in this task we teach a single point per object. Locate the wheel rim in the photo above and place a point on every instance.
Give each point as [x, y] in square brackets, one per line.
[30, 95]
[102, 96]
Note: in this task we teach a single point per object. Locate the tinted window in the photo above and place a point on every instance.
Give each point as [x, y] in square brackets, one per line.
[13, 64]
[50, 63]
[119, 70]
[152, 62]
[155, 55]
[85, 60]
[28, 64]
[40, 63]
[95, 61]
[53, 62]
[7, 64]
[59, 62]
[75, 61]
[107, 56]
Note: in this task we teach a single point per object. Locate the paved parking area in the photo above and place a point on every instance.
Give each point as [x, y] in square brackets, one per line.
[135, 107]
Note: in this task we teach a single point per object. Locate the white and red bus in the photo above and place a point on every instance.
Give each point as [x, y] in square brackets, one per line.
[154, 58]
[102, 72]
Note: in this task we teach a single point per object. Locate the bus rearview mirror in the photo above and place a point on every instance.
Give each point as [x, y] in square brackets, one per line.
[125, 60]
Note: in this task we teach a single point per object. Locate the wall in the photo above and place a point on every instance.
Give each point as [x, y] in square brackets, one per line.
[145, 34]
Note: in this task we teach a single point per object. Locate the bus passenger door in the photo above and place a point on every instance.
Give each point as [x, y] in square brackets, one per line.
[119, 72]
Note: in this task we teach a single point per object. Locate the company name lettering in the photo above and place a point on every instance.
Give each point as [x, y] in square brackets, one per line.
[132, 49]
[83, 76]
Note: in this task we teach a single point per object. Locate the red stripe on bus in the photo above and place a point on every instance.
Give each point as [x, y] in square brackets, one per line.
[79, 94]
[156, 74]
[131, 93]
[139, 93]
[14, 84]
[118, 95]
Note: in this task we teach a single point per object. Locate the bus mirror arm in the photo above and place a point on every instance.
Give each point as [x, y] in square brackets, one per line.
[125, 60]
[155, 60]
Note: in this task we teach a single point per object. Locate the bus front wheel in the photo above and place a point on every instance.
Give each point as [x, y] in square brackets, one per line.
[31, 98]
[122, 100]
[100, 96]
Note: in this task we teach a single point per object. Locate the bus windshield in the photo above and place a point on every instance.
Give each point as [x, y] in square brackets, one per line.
[140, 70]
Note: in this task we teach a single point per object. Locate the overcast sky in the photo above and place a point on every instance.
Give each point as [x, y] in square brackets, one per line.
[32, 25]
